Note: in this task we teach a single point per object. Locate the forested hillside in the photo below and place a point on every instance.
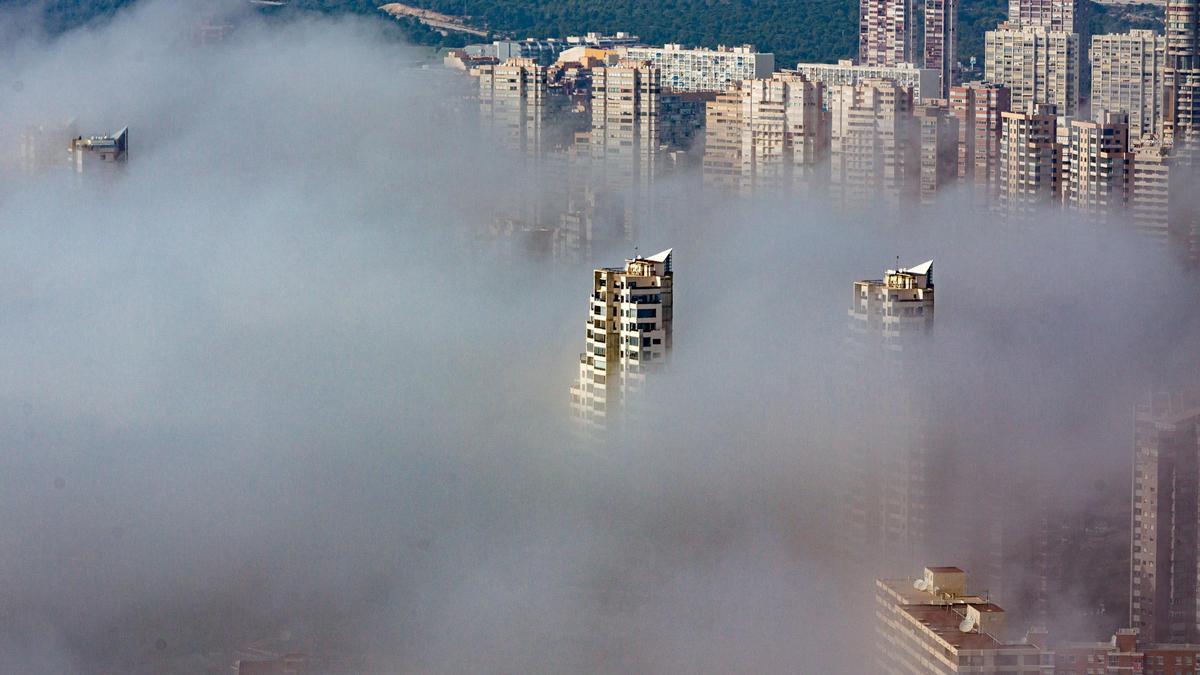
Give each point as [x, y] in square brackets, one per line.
[812, 30]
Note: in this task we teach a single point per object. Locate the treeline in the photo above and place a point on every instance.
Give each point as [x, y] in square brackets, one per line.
[813, 30]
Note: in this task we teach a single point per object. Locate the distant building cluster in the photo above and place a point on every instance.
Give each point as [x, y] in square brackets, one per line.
[1105, 126]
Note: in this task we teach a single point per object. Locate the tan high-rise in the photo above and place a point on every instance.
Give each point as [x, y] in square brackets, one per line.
[939, 149]
[765, 134]
[1038, 65]
[873, 142]
[1098, 167]
[1163, 552]
[1127, 76]
[637, 126]
[1030, 164]
[978, 107]
[516, 99]
[627, 335]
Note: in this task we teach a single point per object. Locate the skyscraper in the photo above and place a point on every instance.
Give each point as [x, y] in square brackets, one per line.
[978, 107]
[1163, 551]
[1030, 165]
[941, 39]
[517, 100]
[1098, 166]
[1127, 75]
[886, 478]
[884, 32]
[1181, 77]
[627, 335]
[1055, 15]
[873, 142]
[939, 149]
[765, 133]
[1037, 64]
[636, 125]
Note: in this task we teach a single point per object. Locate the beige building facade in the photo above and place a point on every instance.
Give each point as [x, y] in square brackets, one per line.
[626, 337]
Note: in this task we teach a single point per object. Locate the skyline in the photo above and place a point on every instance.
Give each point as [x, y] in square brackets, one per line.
[283, 377]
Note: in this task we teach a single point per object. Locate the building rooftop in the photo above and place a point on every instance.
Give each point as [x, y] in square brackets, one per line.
[945, 621]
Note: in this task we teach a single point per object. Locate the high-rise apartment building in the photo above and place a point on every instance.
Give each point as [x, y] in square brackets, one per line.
[1164, 547]
[1150, 192]
[110, 148]
[723, 125]
[884, 32]
[627, 335]
[932, 624]
[886, 482]
[896, 309]
[873, 142]
[924, 82]
[1098, 166]
[1030, 164]
[1055, 15]
[978, 107]
[636, 124]
[765, 134]
[518, 101]
[1037, 65]
[939, 149]
[1127, 76]
[1181, 77]
[710, 70]
[941, 40]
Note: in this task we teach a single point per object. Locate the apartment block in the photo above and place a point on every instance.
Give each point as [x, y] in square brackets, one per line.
[1181, 77]
[884, 32]
[939, 149]
[110, 148]
[941, 40]
[924, 82]
[932, 624]
[636, 124]
[873, 142]
[1150, 192]
[1036, 64]
[1055, 15]
[1127, 76]
[1030, 164]
[627, 336]
[1164, 546]
[1099, 167]
[521, 105]
[709, 70]
[766, 134]
[978, 106]
[886, 486]
[1126, 653]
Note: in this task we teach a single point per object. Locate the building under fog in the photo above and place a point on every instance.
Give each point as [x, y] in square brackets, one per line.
[932, 624]
[107, 149]
[1166, 530]
[627, 337]
[886, 478]
[765, 134]
[874, 140]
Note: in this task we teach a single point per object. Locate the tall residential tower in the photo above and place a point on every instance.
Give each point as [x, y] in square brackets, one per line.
[627, 335]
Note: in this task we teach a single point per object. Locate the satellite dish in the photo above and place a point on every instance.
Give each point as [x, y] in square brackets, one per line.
[966, 625]
[919, 584]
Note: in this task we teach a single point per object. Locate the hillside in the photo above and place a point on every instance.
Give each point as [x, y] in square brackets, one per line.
[815, 30]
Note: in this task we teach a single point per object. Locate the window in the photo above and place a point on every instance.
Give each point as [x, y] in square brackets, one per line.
[647, 313]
